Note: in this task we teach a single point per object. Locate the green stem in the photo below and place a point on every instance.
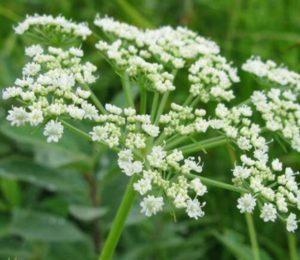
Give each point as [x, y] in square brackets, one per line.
[127, 89]
[161, 106]
[195, 101]
[95, 100]
[252, 235]
[188, 100]
[175, 140]
[84, 134]
[76, 130]
[219, 184]
[209, 143]
[143, 102]
[118, 223]
[154, 106]
[292, 246]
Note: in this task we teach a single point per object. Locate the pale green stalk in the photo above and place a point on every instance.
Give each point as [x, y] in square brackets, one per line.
[143, 101]
[253, 237]
[95, 100]
[292, 246]
[209, 143]
[118, 222]
[127, 89]
[161, 106]
[154, 106]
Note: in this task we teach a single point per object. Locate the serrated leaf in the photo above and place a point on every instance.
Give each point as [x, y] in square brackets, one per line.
[33, 225]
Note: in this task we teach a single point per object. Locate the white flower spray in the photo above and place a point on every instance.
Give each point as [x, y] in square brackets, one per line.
[155, 148]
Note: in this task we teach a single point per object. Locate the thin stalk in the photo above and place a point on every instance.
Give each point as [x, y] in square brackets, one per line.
[175, 141]
[143, 102]
[127, 89]
[83, 134]
[292, 246]
[219, 184]
[209, 143]
[188, 100]
[252, 235]
[118, 223]
[195, 101]
[154, 106]
[161, 106]
[95, 100]
[76, 130]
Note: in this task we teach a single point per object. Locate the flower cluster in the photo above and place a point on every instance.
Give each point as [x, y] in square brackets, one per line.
[42, 25]
[55, 81]
[281, 112]
[211, 77]
[53, 84]
[165, 173]
[270, 71]
[276, 194]
[152, 57]
[160, 172]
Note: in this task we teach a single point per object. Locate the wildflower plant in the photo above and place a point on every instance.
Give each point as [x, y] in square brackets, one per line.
[158, 141]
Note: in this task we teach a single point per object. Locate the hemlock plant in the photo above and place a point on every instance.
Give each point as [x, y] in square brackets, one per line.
[156, 142]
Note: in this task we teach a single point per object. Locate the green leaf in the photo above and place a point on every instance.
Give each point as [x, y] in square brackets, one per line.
[233, 242]
[13, 249]
[11, 191]
[74, 251]
[24, 170]
[85, 213]
[39, 226]
[70, 148]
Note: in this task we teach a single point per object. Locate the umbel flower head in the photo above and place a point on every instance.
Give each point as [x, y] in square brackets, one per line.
[53, 30]
[157, 149]
[53, 84]
[152, 57]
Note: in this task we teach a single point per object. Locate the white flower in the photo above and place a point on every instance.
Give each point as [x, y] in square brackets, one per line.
[157, 157]
[58, 23]
[291, 223]
[142, 186]
[53, 131]
[17, 116]
[191, 165]
[194, 209]
[151, 205]
[268, 212]
[276, 165]
[11, 92]
[126, 163]
[108, 133]
[198, 187]
[246, 203]
[113, 109]
[34, 50]
[241, 172]
[35, 117]
[151, 130]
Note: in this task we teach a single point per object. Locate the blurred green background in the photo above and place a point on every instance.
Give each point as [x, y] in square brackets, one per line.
[57, 201]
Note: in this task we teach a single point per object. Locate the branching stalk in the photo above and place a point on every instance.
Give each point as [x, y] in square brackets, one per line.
[209, 143]
[95, 100]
